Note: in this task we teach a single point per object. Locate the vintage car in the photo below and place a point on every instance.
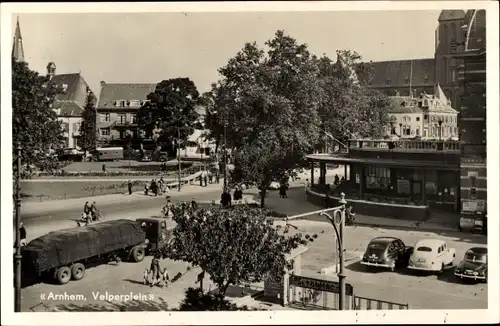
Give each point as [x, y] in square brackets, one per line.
[387, 252]
[474, 266]
[157, 232]
[431, 255]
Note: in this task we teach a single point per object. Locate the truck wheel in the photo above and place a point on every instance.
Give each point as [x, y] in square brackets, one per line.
[63, 275]
[138, 254]
[77, 271]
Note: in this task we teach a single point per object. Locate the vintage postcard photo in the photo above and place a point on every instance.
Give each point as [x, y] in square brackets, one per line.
[287, 162]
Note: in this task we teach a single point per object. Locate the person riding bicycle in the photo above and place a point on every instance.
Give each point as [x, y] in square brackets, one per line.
[94, 211]
[87, 212]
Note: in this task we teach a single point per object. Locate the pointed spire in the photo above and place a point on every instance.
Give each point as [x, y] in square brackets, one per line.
[17, 45]
[441, 96]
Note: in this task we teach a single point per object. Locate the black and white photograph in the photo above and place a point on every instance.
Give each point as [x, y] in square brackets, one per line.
[275, 159]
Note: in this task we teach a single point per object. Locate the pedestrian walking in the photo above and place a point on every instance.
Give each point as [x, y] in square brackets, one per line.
[129, 184]
[146, 188]
[104, 168]
[205, 177]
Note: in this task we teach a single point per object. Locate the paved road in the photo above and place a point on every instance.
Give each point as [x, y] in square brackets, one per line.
[420, 291]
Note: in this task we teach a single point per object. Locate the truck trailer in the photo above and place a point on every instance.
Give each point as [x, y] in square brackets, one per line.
[64, 255]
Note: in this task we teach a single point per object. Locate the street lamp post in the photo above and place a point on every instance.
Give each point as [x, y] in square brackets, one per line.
[225, 156]
[338, 226]
[179, 157]
[18, 256]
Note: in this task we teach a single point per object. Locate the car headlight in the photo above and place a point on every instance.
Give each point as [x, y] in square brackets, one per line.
[475, 273]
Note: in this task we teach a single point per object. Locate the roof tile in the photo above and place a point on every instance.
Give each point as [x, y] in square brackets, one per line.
[397, 73]
[110, 93]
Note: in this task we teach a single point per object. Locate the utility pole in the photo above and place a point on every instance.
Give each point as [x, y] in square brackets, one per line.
[339, 230]
[179, 156]
[338, 226]
[18, 256]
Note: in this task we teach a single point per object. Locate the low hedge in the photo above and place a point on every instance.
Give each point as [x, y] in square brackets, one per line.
[186, 168]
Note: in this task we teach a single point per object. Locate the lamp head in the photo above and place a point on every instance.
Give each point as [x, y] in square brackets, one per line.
[342, 200]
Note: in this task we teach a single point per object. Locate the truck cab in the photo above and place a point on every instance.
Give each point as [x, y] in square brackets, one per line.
[157, 233]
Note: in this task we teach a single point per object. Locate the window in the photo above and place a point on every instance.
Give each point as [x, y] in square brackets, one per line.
[388, 81]
[378, 178]
[426, 79]
[418, 118]
[426, 117]
[407, 79]
[406, 130]
[121, 103]
[104, 117]
[105, 132]
[122, 118]
[417, 131]
[440, 249]
[135, 103]
[133, 118]
[424, 249]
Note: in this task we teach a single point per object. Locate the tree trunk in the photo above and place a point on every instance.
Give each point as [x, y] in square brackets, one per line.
[262, 197]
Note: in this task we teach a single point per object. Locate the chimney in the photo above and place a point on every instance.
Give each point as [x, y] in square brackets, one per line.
[103, 83]
[51, 70]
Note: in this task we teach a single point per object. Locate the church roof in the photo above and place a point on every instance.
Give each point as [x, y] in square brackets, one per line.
[476, 30]
[17, 44]
[397, 73]
[451, 15]
[110, 93]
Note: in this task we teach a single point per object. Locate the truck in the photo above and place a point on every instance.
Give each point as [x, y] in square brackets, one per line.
[109, 153]
[64, 255]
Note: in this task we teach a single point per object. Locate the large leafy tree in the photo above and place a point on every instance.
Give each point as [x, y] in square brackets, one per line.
[270, 106]
[34, 124]
[170, 109]
[235, 246]
[88, 127]
[349, 108]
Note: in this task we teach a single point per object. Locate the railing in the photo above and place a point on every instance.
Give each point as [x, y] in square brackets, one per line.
[414, 145]
[361, 303]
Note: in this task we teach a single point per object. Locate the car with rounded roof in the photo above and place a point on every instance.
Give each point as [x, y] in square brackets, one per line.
[474, 265]
[386, 252]
[431, 255]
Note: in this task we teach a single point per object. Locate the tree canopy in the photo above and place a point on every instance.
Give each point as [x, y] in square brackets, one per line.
[278, 103]
[34, 123]
[234, 246]
[170, 110]
[88, 127]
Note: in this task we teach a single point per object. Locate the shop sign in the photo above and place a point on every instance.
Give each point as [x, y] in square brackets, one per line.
[318, 284]
[473, 206]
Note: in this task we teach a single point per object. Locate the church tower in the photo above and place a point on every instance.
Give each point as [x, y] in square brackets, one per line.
[17, 46]
[449, 40]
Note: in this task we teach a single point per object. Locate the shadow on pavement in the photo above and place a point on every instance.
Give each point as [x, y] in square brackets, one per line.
[358, 267]
[131, 305]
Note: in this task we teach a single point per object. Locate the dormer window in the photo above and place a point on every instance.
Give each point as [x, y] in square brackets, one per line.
[135, 103]
[121, 103]
[407, 79]
[426, 79]
[388, 81]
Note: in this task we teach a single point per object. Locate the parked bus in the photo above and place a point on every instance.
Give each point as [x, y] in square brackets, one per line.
[110, 153]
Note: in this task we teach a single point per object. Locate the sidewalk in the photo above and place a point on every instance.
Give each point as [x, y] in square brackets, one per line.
[297, 203]
[105, 200]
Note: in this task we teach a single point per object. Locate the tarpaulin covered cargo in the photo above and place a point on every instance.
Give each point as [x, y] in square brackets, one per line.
[64, 247]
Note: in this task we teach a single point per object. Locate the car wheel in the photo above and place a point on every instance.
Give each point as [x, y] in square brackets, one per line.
[442, 269]
[63, 275]
[138, 254]
[77, 271]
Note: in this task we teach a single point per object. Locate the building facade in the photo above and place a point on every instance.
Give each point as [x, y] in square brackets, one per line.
[426, 117]
[69, 104]
[117, 111]
[472, 87]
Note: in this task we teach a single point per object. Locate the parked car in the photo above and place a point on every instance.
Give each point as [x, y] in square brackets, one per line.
[386, 252]
[474, 265]
[274, 185]
[431, 255]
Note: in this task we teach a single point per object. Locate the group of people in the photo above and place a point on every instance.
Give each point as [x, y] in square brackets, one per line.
[156, 187]
[226, 198]
[90, 213]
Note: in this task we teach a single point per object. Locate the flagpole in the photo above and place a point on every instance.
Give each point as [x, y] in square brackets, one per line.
[411, 76]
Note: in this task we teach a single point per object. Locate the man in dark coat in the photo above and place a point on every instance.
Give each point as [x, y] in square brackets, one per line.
[129, 184]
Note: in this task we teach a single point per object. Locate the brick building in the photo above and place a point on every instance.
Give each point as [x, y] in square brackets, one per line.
[420, 76]
[471, 63]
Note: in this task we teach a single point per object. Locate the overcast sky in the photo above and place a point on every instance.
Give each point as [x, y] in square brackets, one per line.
[150, 47]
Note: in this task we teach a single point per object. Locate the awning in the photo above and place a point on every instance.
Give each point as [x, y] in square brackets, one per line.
[344, 159]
